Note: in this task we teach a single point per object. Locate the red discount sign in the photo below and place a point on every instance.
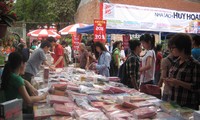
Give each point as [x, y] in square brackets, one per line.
[100, 30]
[76, 40]
[126, 39]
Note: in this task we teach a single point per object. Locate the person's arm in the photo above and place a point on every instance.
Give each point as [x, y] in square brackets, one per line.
[164, 72]
[193, 84]
[30, 99]
[131, 65]
[32, 90]
[174, 82]
[50, 66]
[86, 53]
[93, 57]
[134, 82]
[148, 64]
[87, 63]
[31, 51]
[58, 61]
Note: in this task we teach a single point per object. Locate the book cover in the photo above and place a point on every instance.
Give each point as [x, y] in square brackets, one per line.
[58, 99]
[87, 115]
[71, 106]
[11, 109]
[44, 113]
[109, 108]
[61, 118]
[144, 112]
[97, 104]
[120, 114]
[61, 109]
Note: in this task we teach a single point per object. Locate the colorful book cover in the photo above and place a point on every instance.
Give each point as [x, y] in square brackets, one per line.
[61, 109]
[44, 113]
[144, 112]
[71, 106]
[97, 104]
[87, 115]
[109, 108]
[61, 118]
[58, 99]
[11, 109]
[120, 114]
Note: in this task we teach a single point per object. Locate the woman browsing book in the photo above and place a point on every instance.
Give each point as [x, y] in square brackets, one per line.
[104, 59]
[13, 84]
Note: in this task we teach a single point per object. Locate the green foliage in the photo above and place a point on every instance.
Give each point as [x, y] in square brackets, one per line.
[46, 10]
[7, 15]
[33, 11]
[69, 41]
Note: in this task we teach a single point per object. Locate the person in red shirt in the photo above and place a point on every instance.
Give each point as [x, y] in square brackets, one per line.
[58, 54]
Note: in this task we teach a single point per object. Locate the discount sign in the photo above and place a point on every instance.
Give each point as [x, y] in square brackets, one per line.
[99, 30]
[126, 39]
[76, 39]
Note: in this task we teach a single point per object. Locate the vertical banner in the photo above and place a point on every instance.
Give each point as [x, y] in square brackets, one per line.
[101, 10]
[99, 30]
[76, 40]
[126, 39]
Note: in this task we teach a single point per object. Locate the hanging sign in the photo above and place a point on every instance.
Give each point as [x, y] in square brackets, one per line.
[99, 30]
[76, 40]
[130, 17]
[126, 39]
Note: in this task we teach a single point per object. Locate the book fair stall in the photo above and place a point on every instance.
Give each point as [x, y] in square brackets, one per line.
[75, 93]
[79, 94]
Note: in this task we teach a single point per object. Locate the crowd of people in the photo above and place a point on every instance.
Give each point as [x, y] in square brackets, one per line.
[178, 72]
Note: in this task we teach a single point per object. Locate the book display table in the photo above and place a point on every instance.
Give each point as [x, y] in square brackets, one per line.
[83, 95]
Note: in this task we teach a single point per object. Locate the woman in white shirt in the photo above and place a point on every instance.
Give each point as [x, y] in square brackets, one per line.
[147, 69]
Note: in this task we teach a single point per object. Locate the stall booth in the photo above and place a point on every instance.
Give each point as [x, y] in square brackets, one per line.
[127, 19]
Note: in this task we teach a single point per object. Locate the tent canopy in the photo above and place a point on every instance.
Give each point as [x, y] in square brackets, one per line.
[90, 29]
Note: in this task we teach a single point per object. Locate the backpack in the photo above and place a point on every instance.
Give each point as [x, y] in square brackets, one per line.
[113, 66]
[122, 73]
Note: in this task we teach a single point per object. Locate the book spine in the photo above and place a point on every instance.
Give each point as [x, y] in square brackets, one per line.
[1, 111]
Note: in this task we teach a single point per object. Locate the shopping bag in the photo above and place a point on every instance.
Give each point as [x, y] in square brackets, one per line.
[150, 89]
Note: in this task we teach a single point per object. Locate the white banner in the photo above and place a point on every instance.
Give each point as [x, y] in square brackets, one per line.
[120, 16]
